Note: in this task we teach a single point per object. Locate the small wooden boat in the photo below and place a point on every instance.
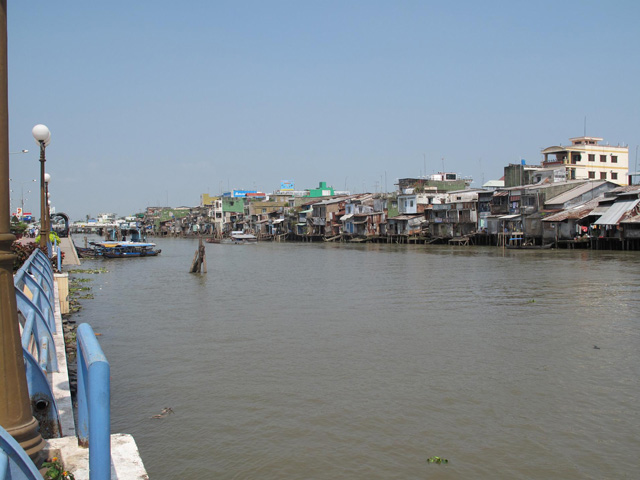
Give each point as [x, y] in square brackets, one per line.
[243, 238]
[86, 252]
[530, 247]
[236, 238]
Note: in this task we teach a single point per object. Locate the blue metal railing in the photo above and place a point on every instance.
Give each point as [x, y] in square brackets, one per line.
[36, 276]
[54, 250]
[94, 412]
[15, 464]
[94, 409]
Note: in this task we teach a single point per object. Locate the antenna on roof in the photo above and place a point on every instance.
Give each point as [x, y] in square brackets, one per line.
[424, 155]
[585, 125]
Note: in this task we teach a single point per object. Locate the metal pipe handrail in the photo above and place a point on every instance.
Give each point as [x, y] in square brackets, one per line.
[94, 409]
[38, 345]
[14, 461]
[36, 274]
[37, 333]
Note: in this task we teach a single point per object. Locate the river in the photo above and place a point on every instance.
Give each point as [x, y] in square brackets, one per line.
[326, 361]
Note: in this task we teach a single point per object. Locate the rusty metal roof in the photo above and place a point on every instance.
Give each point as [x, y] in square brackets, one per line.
[575, 213]
[616, 211]
[635, 219]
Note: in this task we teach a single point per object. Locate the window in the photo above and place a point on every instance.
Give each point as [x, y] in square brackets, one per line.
[264, 210]
[603, 175]
[614, 159]
[592, 157]
[614, 175]
[592, 174]
[603, 158]
[411, 205]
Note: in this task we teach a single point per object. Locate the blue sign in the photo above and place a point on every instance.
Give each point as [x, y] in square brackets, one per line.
[286, 185]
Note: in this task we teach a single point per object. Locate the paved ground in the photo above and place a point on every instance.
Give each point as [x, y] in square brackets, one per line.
[70, 253]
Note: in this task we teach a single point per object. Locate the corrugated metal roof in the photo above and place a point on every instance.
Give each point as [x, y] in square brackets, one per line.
[600, 209]
[542, 214]
[578, 212]
[404, 217]
[616, 211]
[627, 188]
[635, 219]
[509, 217]
[574, 193]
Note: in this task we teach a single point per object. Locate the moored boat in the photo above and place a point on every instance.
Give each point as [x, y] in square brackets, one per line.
[126, 249]
[236, 238]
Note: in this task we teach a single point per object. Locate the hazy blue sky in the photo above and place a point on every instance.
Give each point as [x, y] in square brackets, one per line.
[155, 102]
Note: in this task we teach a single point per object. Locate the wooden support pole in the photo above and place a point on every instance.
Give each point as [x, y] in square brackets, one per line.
[199, 260]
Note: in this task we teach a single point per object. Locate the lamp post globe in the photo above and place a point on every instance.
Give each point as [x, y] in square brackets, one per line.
[41, 133]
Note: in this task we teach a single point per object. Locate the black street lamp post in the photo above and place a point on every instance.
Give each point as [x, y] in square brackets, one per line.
[42, 136]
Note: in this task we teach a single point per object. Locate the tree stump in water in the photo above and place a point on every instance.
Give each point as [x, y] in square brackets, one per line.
[199, 263]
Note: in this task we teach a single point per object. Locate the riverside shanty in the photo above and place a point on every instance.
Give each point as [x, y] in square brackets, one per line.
[579, 197]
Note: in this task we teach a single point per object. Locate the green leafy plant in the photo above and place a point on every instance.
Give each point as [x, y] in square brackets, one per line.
[17, 227]
[88, 270]
[56, 471]
[437, 460]
[53, 236]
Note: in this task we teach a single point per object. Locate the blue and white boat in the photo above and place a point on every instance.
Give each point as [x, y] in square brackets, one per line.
[126, 249]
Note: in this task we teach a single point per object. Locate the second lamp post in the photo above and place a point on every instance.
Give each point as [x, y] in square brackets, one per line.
[42, 136]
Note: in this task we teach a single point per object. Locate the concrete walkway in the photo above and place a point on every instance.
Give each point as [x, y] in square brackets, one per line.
[69, 250]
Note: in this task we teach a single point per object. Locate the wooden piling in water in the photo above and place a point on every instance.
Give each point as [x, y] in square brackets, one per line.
[199, 263]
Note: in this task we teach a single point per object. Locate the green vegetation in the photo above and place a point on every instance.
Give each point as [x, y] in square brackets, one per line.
[91, 271]
[55, 470]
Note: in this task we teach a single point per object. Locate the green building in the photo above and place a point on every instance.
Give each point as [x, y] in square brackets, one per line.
[321, 191]
[233, 204]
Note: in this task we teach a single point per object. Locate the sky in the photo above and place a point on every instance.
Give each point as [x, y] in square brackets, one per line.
[155, 103]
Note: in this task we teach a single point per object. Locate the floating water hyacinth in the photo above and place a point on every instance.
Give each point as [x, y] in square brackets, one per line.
[437, 460]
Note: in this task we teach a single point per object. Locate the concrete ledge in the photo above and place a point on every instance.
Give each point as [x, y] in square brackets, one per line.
[62, 282]
[125, 457]
[60, 379]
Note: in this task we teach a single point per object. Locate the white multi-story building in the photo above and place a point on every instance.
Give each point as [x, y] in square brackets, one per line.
[106, 218]
[587, 159]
